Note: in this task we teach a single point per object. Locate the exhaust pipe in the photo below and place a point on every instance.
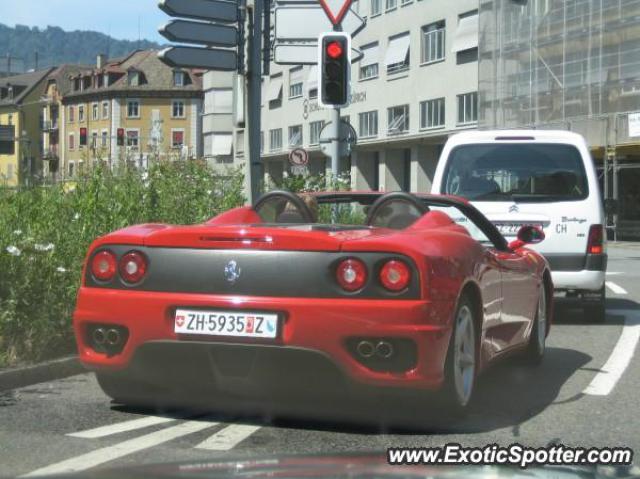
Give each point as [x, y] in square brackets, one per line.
[113, 337]
[99, 336]
[384, 349]
[365, 349]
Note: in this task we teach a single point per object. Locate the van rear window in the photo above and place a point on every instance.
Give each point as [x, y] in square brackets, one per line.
[516, 172]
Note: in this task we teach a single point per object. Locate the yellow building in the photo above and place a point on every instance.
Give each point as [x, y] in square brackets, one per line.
[132, 110]
[21, 128]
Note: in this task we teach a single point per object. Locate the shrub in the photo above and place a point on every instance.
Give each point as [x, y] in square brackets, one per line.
[45, 234]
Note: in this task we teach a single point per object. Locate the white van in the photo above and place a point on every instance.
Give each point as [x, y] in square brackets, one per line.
[540, 177]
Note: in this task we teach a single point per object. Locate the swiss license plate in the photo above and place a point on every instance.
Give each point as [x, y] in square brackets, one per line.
[226, 323]
[511, 229]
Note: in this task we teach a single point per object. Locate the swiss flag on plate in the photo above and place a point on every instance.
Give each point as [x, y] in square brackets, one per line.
[335, 9]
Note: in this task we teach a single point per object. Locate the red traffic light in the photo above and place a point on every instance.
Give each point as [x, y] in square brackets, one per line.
[334, 50]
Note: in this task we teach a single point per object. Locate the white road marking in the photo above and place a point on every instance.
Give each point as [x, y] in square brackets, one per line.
[604, 382]
[124, 426]
[228, 438]
[615, 288]
[110, 453]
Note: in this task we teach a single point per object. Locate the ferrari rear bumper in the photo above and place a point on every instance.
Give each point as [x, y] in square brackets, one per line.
[315, 343]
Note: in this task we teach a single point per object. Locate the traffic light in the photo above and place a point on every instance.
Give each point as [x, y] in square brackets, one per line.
[120, 136]
[335, 69]
[83, 137]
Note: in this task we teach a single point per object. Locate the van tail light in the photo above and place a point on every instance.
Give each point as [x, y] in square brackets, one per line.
[395, 275]
[133, 267]
[104, 265]
[595, 244]
[351, 274]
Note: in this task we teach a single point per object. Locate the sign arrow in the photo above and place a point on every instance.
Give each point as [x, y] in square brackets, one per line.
[308, 22]
[194, 57]
[185, 31]
[216, 10]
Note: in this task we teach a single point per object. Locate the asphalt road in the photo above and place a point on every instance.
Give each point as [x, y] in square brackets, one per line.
[584, 394]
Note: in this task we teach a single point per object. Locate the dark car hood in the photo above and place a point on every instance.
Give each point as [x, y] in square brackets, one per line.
[334, 466]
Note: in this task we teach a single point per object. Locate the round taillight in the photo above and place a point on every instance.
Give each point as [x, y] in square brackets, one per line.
[103, 265]
[351, 274]
[133, 267]
[395, 275]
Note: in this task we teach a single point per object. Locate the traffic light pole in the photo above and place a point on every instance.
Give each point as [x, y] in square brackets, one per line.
[335, 133]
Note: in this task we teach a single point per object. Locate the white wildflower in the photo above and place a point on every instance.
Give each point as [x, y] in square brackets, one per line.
[60, 269]
[209, 192]
[44, 247]
[13, 251]
[17, 232]
[76, 217]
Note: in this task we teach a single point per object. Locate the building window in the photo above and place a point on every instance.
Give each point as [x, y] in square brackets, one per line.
[133, 138]
[133, 109]
[398, 54]
[72, 168]
[72, 141]
[369, 63]
[133, 78]
[465, 41]
[105, 138]
[95, 112]
[391, 4]
[315, 127]
[274, 93]
[368, 124]
[177, 109]
[105, 110]
[94, 140]
[72, 114]
[295, 135]
[376, 7]
[295, 82]
[81, 113]
[275, 139]
[219, 101]
[105, 80]
[177, 138]
[432, 113]
[398, 119]
[405, 2]
[467, 108]
[433, 42]
[178, 78]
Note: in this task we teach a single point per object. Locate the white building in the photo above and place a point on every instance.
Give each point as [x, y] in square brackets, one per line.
[416, 85]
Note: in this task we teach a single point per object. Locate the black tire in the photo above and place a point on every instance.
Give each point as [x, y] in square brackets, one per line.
[595, 311]
[537, 339]
[451, 398]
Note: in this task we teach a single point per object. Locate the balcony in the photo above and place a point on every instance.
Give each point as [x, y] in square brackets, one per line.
[50, 153]
[51, 125]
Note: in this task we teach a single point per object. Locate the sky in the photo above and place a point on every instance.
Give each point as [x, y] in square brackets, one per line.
[118, 18]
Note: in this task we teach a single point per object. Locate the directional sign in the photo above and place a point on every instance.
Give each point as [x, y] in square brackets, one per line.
[303, 54]
[308, 22]
[212, 10]
[199, 33]
[194, 57]
[335, 9]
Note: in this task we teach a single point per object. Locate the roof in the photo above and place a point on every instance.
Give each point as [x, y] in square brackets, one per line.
[157, 77]
[62, 76]
[516, 135]
[23, 84]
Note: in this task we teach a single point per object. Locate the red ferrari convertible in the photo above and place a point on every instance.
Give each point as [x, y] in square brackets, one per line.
[393, 292]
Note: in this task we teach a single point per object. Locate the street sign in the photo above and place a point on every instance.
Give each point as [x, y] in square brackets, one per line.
[304, 54]
[335, 9]
[211, 10]
[186, 31]
[194, 57]
[347, 139]
[298, 157]
[308, 22]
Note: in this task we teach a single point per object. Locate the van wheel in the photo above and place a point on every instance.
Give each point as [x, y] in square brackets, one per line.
[595, 311]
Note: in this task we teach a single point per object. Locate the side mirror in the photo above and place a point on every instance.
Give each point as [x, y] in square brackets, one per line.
[528, 234]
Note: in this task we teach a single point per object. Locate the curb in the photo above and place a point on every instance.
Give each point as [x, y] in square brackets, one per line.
[38, 373]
